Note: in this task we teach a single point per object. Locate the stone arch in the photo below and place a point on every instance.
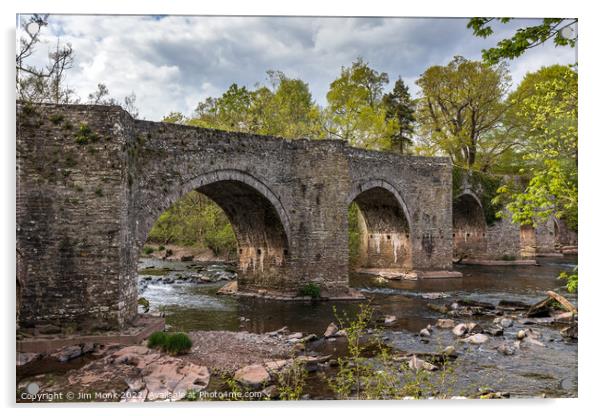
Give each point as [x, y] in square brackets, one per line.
[259, 220]
[385, 227]
[469, 226]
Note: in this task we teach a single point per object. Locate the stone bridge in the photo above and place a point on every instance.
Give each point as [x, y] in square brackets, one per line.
[91, 181]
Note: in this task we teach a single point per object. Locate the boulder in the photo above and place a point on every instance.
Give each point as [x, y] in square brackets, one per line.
[476, 339]
[445, 323]
[295, 336]
[494, 330]
[425, 333]
[277, 365]
[571, 331]
[533, 341]
[196, 378]
[449, 351]
[459, 330]
[521, 334]
[389, 319]
[67, 353]
[331, 330]
[270, 392]
[417, 364]
[253, 375]
[26, 357]
[507, 349]
[474, 328]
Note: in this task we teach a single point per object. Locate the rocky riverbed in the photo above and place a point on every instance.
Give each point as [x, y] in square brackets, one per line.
[500, 348]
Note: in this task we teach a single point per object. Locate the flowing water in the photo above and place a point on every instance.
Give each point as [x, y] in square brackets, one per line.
[549, 370]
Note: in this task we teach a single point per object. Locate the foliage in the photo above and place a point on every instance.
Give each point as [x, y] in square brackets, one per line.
[551, 153]
[572, 280]
[177, 343]
[85, 134]
[174, 344]
[157, 339]
[485, 186]
[195, 219]
[523, 39]
[142, 301]
[42, 84]
[400, 107]
[461, 105]
[292, 380]
[361, 376]
[310, 289]
[355, 111]
[148, 250]
[285, 108]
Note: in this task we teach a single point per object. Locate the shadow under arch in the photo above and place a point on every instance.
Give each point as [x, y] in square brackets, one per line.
[260, 222]
[385, 226]
[469, 226]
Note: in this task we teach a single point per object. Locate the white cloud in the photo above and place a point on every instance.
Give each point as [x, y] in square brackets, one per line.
[173, 62]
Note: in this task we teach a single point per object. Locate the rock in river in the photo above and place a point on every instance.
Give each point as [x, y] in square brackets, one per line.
[476, 339]
[418, 364]
[445, 323]
[331, 330]
[459, 330]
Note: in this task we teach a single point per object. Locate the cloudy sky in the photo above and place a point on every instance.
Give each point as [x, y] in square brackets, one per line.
[173, 62]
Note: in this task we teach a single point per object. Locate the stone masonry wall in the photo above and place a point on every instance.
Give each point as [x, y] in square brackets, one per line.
[71, 207]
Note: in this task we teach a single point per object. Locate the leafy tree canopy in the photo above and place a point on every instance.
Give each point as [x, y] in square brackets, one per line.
[523, 39]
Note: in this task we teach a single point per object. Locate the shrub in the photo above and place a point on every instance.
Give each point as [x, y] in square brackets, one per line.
[157, 339]
[56, 118]
[161, 248]
[177, 343]
[85, 134]
[148, 250]
[310, 289]
[144, 303]
[507, 257]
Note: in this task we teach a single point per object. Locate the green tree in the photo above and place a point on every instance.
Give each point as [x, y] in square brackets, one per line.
[400, 107]
[355, 111]
[550, 155]
[524, 38]
[286, 109]
[461, 105]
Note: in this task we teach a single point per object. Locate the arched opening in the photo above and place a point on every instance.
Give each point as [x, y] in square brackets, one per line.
[382, 239]
[258, 237]
[528, 241]
[469, 227]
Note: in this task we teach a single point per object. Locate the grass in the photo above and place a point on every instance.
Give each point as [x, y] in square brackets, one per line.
[174, 344]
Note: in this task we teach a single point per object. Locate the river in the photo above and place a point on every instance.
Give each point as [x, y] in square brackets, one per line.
[550, 370]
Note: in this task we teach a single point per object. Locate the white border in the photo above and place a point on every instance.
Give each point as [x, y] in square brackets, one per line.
[589, 152]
